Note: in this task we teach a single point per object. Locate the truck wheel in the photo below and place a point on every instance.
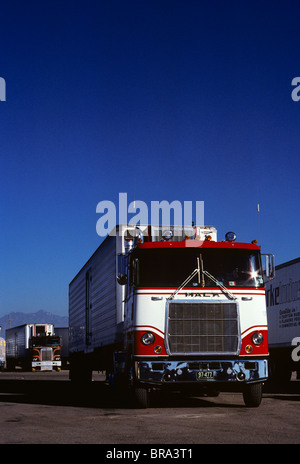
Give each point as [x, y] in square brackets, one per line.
[141, 397]
[253, 395]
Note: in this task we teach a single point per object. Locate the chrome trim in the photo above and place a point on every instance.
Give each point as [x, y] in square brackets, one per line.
[203, 353]
[162, 372]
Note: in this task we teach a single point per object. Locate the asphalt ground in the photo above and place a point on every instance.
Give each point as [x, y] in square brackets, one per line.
[45, 408]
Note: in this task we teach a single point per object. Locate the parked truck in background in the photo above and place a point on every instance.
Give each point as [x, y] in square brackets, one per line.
[186, 312]
[33, 347]
[283, 309]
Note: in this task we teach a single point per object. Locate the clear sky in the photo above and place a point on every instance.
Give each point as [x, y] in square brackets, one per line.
[185, 100]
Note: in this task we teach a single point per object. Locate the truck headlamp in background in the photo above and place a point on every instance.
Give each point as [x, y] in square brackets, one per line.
[147, 338]
[257, 338]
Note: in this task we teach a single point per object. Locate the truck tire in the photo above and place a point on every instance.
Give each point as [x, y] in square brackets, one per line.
[252, 395]
[141, 397]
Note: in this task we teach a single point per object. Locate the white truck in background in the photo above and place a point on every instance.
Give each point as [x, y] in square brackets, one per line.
[185, 312]
[283, 310]
[33, 347]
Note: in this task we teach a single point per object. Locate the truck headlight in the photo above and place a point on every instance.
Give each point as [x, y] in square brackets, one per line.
[257, 338]
[147, 338]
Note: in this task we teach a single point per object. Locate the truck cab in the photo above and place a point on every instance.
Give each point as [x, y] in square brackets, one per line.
[194, 315]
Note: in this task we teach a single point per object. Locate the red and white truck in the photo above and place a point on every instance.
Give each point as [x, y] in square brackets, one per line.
[186, 312]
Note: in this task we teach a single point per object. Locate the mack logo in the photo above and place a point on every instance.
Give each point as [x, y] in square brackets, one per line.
[200, 294]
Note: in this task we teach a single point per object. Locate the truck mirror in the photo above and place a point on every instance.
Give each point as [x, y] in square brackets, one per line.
[269, 271]
[122, 270]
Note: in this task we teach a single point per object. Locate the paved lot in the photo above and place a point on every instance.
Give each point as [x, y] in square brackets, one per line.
[44, 408]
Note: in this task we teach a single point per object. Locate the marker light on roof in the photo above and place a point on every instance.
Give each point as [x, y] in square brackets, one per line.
[167, 235]
[230, 237]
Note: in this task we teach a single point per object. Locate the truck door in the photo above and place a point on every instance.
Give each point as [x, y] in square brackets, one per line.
[88, 308]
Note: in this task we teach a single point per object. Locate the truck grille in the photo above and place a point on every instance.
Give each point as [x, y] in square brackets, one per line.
[46, 354]
[202, 328]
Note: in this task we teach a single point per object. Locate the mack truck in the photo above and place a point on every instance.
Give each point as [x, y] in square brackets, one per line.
[33, 347]
[167, 307]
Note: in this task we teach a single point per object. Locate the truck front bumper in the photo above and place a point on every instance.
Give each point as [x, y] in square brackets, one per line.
[201, 371]
[46, 365]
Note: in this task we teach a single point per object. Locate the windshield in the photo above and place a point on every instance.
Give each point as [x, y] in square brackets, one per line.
[169, 268]
[45, 341]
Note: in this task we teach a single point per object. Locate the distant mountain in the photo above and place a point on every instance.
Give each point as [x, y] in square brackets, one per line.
[15, 319]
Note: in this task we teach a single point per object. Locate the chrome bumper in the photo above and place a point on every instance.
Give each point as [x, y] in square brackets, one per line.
[202, 371]
[45, 365]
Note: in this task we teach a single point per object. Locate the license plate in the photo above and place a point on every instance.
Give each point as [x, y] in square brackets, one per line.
[204, 375]
[46, 367]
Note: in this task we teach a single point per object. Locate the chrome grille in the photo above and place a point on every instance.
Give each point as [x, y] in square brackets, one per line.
[46, 354]
[197, 328]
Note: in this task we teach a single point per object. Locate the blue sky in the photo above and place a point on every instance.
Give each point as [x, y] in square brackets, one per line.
[162, 99]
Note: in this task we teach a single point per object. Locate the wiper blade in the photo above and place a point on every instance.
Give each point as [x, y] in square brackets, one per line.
[223, 288]
[195, 271]
[200, 271]
[213, 279]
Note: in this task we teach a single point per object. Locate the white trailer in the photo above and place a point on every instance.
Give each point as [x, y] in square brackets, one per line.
[33, 347]
[96, 312]
[283, 309]
[185, 312]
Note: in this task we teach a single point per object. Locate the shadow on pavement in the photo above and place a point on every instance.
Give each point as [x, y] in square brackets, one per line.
[99, 395]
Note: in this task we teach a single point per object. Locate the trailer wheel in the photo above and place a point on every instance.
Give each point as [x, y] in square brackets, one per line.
[253, 395]
[141, 397]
